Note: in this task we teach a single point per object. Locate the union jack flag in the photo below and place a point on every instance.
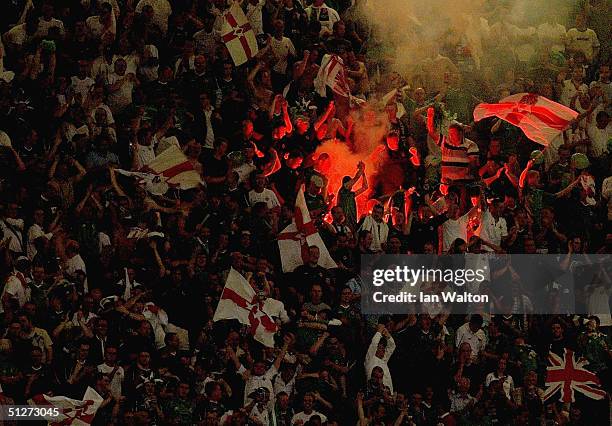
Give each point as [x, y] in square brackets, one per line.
[569, 375]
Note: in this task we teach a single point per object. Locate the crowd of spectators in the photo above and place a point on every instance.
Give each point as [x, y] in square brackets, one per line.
[113, 284]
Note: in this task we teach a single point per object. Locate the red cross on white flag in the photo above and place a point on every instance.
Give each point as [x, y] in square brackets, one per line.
[238, 35]
[239, 301]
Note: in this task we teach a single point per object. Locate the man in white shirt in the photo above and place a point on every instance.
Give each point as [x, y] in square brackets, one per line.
[282, 48]
[47, 21]
[144, 150]
[324, 14]
[254, 15]
[82, 83]
[103, 25]
[37, 231]
[573, 86]
[260, 193]
[115, 371]
[120, 87]
[582, 39]
[378, 355]
[455, 227]
[161, 12]
[308, 412]
[258, 377]
[17, 285]
[493, 227]
[472, 334]
[377, 227]
[599, 131]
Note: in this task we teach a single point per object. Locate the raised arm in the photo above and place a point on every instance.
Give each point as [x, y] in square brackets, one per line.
[431, 127]
[360, 172]
[364, 184]
[323, 118]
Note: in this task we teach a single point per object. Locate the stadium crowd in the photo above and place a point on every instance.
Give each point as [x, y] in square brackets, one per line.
[111, 280]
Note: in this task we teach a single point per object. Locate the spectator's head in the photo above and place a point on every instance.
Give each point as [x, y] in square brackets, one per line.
[313, 255]
[308, 402]
[377, 212]
[143, 359]
[183, 390]
[259, 181]
[279, 28]
[316, 294]
[455, 134]
[364, 239]
[339, 29]
[581, 22]
[577, 74]
[120, 66]
[282, 400]
[475, 323]
[377, 375]
[557, 330]
[25, 321]
[220, 145]
[83, 351]
[602, 119]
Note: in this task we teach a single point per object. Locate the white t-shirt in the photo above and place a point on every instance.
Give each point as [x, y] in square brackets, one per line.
[507, 384]
[117, 381]
[453, 229]
[325, 15]
[121, 98]
[599, 138]
[161, 12]
[97, 30]
[15, 288]
[149, 73]
[44, 26]
[35, 232]
[570, 90]
[144, 155]
[477, 340]
[492, 231]
[266, 196]
[281, 50]
[81, 87]
[305, 417]
[254, 15]
[583, 41]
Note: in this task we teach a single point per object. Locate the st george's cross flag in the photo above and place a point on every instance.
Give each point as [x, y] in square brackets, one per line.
[71, 411]
[240, 302]
[175, 168]
[568, 375]
[333, 75]
[295, 239]
[238, 35]
[541, 119]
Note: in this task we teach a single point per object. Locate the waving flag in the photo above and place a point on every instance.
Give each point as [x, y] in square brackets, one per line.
[71, 411]
[541, 119]
[238, 35]
[239, 301]
[295, 239]
[332, 74]
[175, 169]
[568, 375]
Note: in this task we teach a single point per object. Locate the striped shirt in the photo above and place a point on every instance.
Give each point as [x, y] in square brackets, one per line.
[456, 159]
